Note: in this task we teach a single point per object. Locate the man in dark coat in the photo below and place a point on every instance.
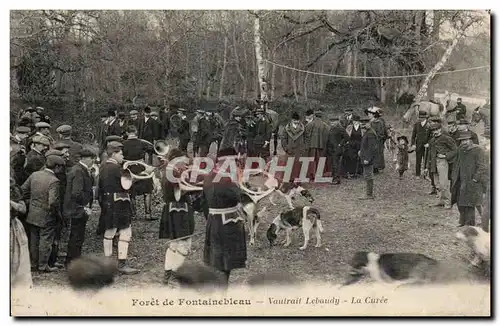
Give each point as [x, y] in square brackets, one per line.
[41, 190]
[259, 135]
[442, 150]
[177, 220]
[351, 165]
[460, 110]
[77, 199]
[420, 140]
[183, 129]
[75, 148]
[469, 179]
[101, 134]
[316, 136]
[202, 138]
[112, 126]
[335, 145]
[225, 239]
[35, 159]
[157, 127]
[292, 141]
[235, 134]
[367, 155]
[116, 215]
[380, 129]
[463, 125]
[18, 153]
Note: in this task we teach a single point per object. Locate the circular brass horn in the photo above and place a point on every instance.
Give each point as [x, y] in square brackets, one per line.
[270, 183]
[161, 148]
[128, 177]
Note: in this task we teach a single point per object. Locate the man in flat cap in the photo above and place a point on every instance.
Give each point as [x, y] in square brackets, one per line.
[469, 178]
[18, 153]
[315, 136]
[116, 207]
[42, 190]
[77, 199]
[367, 155]
[337, 137]
[41, 112]
[112, 138]
[35, 159]
[43, 130]
[74, 148]
[133, 118]
[442, 150]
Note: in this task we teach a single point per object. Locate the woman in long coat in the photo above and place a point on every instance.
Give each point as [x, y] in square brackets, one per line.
[378, 125]
[351, 165]
[468, 179]
[292, 141]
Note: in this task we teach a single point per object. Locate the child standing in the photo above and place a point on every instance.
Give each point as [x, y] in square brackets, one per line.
[402, 156]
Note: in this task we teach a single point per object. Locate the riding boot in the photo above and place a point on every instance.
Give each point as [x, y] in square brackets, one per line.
[369, 190]
[133, 203]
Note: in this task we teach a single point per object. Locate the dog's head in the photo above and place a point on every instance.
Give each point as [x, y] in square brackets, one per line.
[358, 265]
[272, 234]
[298, 189]
[477, 239]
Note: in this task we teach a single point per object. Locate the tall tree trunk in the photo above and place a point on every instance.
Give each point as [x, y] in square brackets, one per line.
[294, 85]
[382, 83]
[418, 24]
[238, 68]
[224, 63]
[260, 62]
[273, 76]
[348, 61]
[423, 89]
[354, 62]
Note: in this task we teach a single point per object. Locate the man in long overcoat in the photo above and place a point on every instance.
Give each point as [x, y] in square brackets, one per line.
[335, 146]
[315, 136]
[469, 179]
[292, 141]
[378, 125]
[367, 155]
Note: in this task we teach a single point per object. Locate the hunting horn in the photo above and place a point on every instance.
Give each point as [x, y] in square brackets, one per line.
[185, 186]
[256, 195]
[128, 177]
[161, 148]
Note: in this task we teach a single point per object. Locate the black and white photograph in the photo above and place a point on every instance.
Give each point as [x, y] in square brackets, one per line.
[251, 162]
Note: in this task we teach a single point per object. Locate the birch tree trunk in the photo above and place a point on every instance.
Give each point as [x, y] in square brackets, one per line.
[238, 68]
[260, 62]
[224, 64]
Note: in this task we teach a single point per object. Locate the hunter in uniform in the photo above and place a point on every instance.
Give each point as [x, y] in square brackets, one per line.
[216, 125]
[225, 238]
[116, 207]
[135, 149]
[177, 219]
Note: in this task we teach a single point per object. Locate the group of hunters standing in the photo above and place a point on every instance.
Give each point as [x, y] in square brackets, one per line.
[54, 180]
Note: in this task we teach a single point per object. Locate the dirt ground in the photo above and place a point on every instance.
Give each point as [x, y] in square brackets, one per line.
[399, 220]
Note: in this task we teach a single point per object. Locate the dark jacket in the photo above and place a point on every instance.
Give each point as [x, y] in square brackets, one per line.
[443, 144]
[42, 191]
[369, 146]
[74, 152]
[420, 135]
[292, 140]
[34, 162]
[78, 191]
[337, 137]
[470, 165]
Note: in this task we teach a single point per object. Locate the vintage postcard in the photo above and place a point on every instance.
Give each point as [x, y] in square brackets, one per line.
[250, 163]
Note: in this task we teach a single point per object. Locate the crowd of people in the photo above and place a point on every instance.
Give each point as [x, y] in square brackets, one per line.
[55, 180]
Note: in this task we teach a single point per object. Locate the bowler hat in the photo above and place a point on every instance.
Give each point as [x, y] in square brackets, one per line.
[435, 126]
[114, 146]
[41, 140]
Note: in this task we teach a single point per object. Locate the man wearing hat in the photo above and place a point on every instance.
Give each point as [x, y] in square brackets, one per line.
[18, 153]
[111, 124]
[337, 137]
[460, 110]
[182, 128]
[77, 199]
[158, 131]
[367, 155]
[441, 152]
[350, 158]
[194, 127]
[259, 135]
[104, 155]
[292, 141]
[44, 212]
[378, 125]
[420, 140]
[116, 207]
[74, 148]
[133, 118]
[216, 125]
[202, 138]
[346, 118]
[101, 132]
[316, 136]
[469, 178]
[35, 159]
[235, 133]
[464, 125]
[43, 130]
[41, 112]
